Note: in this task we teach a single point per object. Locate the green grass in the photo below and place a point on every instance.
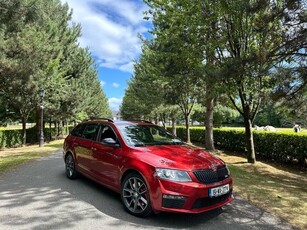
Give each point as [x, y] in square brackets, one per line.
[13, 157]
[11, 127]
[13, 161]
[280, 191]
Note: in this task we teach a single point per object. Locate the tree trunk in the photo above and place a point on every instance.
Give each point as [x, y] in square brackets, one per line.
[251, 156]
[174, 130]
[209, 141]
[38, 123]
[50, 130]
[156, 120]
[24, 130]
[60, 129]
[66, 128]
[187, 126]
[163, 121]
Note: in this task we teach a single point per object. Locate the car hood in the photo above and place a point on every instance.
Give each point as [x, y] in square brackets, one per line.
[183, 157]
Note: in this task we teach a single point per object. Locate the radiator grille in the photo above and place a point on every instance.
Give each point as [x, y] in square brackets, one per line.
[208, 176]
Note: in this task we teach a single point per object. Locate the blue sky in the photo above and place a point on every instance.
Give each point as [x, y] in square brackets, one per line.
[110, 30]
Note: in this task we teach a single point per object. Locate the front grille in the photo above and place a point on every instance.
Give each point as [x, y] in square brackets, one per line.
[173, 203]
[207, 201]
[207, 176]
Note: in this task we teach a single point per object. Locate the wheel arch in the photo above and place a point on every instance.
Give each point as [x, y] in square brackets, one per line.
[149, 179]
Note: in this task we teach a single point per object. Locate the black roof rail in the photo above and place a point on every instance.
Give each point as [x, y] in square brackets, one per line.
[101, 118]
[145, 121]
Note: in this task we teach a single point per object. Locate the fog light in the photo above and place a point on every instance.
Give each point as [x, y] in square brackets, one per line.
[173, 201]
[173, 197]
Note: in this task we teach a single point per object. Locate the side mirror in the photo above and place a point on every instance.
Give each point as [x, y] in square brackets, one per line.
[110, 141]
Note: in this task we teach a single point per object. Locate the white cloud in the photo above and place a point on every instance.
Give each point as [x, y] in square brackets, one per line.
[115, 85]
[129, 67]
[114, 103]
[102, 83]
[110, 29]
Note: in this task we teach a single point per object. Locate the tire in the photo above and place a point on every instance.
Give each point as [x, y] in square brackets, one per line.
[135, 195]
[70, 167]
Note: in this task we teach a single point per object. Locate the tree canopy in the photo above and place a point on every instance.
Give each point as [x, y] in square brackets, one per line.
[246, 51]
[39, 49]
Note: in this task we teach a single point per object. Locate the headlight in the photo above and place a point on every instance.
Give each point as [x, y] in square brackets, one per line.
[227, 169]
[173, 175]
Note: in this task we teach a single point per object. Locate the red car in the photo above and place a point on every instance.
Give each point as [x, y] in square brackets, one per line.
[153, 170]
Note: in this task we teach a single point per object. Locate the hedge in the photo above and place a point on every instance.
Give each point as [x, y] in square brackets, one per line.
[281, 147]
[13, 138]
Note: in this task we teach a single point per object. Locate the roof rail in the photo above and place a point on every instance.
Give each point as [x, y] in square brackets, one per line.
[101, 118]
[145, 121]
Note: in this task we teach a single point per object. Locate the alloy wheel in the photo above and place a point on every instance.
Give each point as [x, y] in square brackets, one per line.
[135, 196]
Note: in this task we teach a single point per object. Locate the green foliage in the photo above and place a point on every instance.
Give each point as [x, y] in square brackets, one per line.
[224, 115]
[10, 138]
[282, 146]
[39, 49]
[14, 137]
[233, 140]
[232, 47]
[269, 115]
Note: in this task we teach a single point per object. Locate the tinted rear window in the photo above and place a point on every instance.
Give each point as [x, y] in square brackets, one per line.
[90, 131]
[77, 131]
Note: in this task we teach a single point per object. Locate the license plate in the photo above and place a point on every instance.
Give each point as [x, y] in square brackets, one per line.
[219, 191]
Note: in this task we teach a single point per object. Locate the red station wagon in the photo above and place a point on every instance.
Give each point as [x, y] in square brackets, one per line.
[153, 170]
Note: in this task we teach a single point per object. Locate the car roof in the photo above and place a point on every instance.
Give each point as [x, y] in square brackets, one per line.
[118, 122]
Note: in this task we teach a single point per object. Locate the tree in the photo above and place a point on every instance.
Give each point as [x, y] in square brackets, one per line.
[22, 40]
[257, 36]
[131, 107]
[39, 50]
[178, 57]
[290, 93]
[243, 42]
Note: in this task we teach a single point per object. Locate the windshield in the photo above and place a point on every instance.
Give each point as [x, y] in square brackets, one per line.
[147, 135]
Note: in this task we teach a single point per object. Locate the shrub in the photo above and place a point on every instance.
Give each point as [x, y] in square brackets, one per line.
[13, 137]
[283, 147]
[230, 139]
[10, 138]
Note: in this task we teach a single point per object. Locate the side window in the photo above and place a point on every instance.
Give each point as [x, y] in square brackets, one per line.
[90, 131]
[107, 132]
[77, 131]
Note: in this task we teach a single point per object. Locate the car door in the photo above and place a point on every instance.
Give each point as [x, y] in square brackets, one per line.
[83, 147]
[107, 157]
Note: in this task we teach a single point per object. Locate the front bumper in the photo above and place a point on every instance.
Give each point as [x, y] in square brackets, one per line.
[190, 197]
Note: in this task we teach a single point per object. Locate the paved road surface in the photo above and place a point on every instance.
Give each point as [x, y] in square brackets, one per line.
[37, 195]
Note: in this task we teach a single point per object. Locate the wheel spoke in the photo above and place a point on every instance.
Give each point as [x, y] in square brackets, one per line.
[128, 193]
[135, 184]
[135, 205]
[130, 203]
[142, 189]
[143, 200]
[131, 184]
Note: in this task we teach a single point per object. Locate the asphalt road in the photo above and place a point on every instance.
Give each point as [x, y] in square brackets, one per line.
[37, 195]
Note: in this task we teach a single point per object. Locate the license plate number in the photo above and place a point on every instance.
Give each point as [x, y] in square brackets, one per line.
[219, 191]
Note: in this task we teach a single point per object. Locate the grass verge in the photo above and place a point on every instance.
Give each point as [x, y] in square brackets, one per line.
[279, 191]
[13, 157]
